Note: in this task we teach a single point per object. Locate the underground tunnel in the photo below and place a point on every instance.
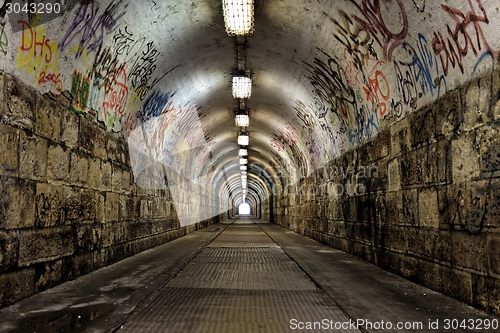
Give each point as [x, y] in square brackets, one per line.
[364, 129]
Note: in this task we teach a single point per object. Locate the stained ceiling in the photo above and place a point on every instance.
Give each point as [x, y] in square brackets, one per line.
[327, 76]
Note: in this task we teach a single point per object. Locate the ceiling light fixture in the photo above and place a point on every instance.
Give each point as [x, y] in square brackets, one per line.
[243, 152]
[238, 17]
[242, 120]
[242, 87]
[243, 139]
[243, 161]
[243, 167]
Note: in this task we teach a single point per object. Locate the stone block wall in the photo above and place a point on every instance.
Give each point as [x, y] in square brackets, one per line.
[422, 199]
[69, 203]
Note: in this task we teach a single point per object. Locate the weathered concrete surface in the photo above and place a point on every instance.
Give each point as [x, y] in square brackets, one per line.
[430, 211]
[365, 291]
[69, 201]
[98, 112]
[244, 278]
[242, 282]
[99, 301]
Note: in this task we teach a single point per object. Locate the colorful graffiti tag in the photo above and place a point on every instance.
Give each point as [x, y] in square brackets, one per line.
[39, 55]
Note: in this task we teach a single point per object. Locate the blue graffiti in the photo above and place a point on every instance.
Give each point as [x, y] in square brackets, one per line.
[366, 127]
[486, 55]
[154, 105]
[422, 74]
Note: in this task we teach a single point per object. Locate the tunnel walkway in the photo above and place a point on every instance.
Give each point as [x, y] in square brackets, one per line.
[241, 282]
[242, 275]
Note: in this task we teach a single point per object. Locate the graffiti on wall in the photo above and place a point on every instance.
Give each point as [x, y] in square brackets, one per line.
[39, 56]
[80, 90]
[386, 70]
[380, 64]
[115, 98]
[332, 87]
[372, 17]
[4, 40]
[287, 140]
[464, 35]
[89, 27]
[419, 74]
[142, 55]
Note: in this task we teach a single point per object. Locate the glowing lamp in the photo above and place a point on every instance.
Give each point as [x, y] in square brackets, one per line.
[243, 140]
[242, 120]
[238, 17]
[242, 87]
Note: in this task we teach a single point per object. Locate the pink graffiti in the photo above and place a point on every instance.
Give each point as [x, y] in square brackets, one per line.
[277, 142]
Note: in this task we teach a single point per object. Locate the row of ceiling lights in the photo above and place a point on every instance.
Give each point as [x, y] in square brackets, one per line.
[238, 19]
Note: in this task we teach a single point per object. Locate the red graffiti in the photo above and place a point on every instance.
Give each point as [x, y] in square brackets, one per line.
[351, 69]
[51, 78]
[453, 49]
[288, 133]
[40, 46]
[377, 87]
[374, 82]
[373, 22]
[116, 96]
[130, 123]
[277, 142]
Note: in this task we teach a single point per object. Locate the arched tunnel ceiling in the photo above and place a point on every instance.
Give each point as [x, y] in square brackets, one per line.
[327, 75]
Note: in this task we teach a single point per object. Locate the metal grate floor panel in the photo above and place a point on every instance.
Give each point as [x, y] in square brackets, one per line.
[241, 282]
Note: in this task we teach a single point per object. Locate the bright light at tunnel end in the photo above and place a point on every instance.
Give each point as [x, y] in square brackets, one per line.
[244, 209]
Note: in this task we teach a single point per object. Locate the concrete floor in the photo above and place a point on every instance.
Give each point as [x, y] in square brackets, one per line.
[243, 275]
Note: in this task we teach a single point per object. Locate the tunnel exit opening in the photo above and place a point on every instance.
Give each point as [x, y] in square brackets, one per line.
[244, 209]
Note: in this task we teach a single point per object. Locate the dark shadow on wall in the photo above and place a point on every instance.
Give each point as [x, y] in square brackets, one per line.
[430, 211]
[70, 203]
